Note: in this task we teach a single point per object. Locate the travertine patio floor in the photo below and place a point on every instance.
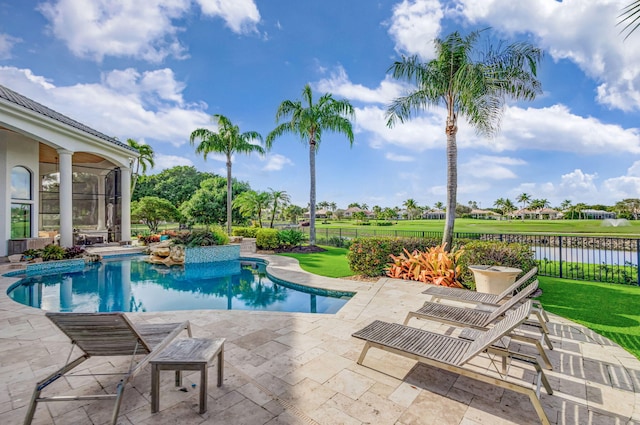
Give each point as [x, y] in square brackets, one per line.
[295, 368]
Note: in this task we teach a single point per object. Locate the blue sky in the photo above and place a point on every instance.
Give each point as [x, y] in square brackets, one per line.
[156, 70]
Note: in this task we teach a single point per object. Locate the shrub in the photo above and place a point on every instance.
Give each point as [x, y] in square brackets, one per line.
[382, 223]
[435, 266]
[370, 256]
[147, 239]
[213, 237]
[291, 237]
[267, 239]
[495, 253]
[247, 232]
[52, 252]
[73, 252]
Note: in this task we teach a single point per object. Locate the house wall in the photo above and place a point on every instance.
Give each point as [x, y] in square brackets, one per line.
[17, 150]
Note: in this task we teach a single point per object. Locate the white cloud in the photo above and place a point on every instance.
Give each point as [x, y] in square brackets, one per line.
[627, 186]
[492, 167]
[130, 28]
[414, 25]
[276, 162]
[399, 158]
[241, 16]
[6, 44]
[582, 32]
[127, 104]
[162, 162]
[339, 84]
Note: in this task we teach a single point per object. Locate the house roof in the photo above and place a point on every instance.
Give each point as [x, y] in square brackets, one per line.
[23, 101]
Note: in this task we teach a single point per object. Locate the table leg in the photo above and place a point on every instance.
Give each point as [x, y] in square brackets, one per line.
[155, 388]
[178, 378]
[204, 372]
[220, 365]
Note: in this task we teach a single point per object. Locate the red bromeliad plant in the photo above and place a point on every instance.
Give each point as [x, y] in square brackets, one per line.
[435, 266]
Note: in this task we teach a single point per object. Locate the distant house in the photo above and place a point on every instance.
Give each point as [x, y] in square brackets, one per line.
[545, 213]
[434, 214]
[321, 213]
[591, 214]
[484, 214]
[59, 175]
[348, 213]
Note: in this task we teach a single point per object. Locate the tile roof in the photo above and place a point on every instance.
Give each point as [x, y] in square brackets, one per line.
[23, 101]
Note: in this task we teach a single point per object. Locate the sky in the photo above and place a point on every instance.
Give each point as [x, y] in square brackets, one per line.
[156, 70]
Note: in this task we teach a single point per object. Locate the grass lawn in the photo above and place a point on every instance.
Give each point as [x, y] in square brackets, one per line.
[331, 263]
[468, 225]
[608, 309]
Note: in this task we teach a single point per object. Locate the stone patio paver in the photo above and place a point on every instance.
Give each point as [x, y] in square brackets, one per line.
[297, 368]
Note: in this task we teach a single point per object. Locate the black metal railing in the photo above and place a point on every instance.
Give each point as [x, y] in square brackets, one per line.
[593, 258]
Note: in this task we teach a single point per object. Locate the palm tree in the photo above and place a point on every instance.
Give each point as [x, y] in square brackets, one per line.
[411, 205]
[565, 205]
[308, 120]
[438, 205]
[470, 83]
[227, 140]
[508, 206]
[499, 204]
[524, 199]
[252, 204]
[277, 196]
[631, 16]
[144, 160]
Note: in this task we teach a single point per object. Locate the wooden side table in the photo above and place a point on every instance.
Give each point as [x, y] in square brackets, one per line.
[187, 354]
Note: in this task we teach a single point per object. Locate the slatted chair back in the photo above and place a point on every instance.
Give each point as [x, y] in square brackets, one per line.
[101, 334]
[500, 329]
[518, 283]
[512, 302]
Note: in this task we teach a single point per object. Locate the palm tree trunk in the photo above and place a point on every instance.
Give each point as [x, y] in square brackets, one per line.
[312, 191]
[452, 183]
[273, 213]
[229, 195]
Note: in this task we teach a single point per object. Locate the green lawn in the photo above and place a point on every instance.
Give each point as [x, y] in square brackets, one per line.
[330, 263]
[610, 310]
[468, 225]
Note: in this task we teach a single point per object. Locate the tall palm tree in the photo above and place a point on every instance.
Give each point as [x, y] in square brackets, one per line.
[277, 196]
[499, 204]
[630, 18]
[143, 161]
[508, 206]
[467, 82]
[309, 120]
[524, 199]
[227, 140]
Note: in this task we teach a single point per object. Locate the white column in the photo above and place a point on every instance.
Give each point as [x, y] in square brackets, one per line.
[101, 209]
[125, 204]
[66, 198]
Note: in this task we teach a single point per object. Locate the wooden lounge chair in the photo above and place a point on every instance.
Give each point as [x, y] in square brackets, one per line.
[106, 334]
[482, 319]
[452, 354]
[439, 293]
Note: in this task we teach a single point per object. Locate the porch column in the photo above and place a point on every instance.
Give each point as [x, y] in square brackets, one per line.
[101, 209]
[66, 198]
[125, 213]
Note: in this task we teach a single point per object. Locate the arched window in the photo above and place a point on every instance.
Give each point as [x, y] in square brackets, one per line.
[21, 201]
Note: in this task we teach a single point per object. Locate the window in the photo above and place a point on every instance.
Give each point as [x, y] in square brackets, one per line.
[21, 200]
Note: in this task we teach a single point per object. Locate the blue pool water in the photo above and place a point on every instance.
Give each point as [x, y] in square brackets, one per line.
[133, 285]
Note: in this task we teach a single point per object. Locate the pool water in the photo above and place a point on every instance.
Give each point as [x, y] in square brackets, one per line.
[133, 285]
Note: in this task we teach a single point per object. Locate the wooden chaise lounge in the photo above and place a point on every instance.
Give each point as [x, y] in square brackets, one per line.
[453, 354]
[482, 319]
[106, 334]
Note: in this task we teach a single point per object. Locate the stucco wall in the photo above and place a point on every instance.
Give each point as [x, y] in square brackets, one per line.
[16, 149]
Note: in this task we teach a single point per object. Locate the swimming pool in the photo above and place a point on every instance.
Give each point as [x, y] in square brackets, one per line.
[133, 285]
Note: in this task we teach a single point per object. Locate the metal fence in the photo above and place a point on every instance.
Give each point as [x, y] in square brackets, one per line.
[598, 259]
